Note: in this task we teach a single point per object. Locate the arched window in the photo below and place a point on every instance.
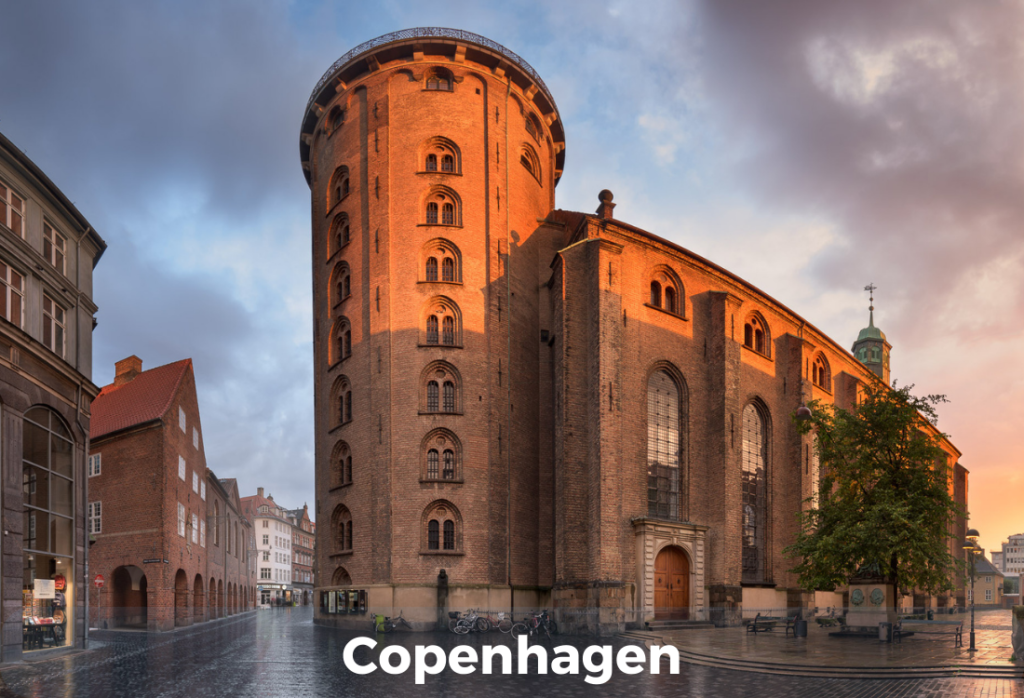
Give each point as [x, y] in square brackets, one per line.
[529, 160]
[670, 299]
[432, 396]
[755, 494]
[441, 456]
[663, 446]
[821, 374]
[341, 523]
[655, 294]
[216, 522]
[531, 126]
[443, 207]
[441, 151]
[339, 187]
[339, 236]
[756, 335]
[442, 261]
[666, 291]
[341, 341]
[442, 528]
[439, 79]
[335, 119]
[443, 314]
[341, 465]
[449, 397]
[343, 400]
[341, 284]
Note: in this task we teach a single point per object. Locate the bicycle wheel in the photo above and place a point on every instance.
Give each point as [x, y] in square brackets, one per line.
[519, 629]
[462, 627]
[483, 625]
[452, 623]
[505, 625]
[552, 627]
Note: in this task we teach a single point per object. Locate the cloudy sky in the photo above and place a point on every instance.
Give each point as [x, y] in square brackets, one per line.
[809, 147]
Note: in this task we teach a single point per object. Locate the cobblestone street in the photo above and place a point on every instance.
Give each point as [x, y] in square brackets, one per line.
[280, 652]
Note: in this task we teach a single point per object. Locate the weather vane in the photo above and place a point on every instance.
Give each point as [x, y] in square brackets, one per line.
[870, 288]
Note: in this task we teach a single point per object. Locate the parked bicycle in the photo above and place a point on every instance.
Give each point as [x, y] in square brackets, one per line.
[472, 622]
[386, 624]
[502, 622]
[536, 624]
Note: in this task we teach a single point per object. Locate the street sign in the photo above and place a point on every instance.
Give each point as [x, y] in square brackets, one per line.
[98, 580]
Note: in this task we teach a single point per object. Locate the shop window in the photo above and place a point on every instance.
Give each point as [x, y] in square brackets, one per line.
[48, 504]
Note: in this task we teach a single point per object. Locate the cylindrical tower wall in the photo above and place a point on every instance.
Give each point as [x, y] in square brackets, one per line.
[431, 162]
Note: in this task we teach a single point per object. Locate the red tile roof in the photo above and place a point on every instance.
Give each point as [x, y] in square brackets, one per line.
[146, 397]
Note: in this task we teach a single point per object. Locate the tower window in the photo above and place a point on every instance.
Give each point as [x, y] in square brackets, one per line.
[655, 294]
[448, 214]
[447, 163]
[431, 163]
[439, 79]
[432, 396]
[432, 269]
[432, 213]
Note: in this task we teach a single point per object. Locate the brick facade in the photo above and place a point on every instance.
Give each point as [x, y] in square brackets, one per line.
[160, 570]
[556, 338]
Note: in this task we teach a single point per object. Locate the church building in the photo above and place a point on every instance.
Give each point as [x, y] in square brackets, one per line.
[522, 407]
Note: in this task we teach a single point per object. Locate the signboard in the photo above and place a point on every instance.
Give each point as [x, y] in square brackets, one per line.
[98, 580]
[44, 589]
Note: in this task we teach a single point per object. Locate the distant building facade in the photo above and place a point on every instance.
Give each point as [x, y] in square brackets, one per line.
[988, 583]
[273, 532]
[47, 254]
[303, 552]
[1013, 555]
[997, 559]
[166, 535]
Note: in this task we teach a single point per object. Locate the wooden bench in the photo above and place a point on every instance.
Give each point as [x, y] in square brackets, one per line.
[942, 627]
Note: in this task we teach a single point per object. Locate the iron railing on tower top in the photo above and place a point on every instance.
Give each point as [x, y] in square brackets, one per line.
[431, 32]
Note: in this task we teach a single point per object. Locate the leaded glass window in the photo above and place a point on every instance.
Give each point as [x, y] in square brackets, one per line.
[662, 446]
[754, 488]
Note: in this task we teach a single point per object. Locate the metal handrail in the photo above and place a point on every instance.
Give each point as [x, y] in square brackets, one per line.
[430, 32]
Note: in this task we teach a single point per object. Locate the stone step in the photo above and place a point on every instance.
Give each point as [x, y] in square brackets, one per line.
[662, 625]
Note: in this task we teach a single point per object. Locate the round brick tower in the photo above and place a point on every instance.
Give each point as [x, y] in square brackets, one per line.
[432, 156]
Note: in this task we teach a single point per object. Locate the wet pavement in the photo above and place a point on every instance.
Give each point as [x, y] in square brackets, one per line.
[279, 652]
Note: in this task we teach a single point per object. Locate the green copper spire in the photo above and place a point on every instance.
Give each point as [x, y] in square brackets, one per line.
[871, 347]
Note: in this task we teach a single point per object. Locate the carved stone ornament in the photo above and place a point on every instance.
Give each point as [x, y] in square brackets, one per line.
[877, 596]
[857, 597]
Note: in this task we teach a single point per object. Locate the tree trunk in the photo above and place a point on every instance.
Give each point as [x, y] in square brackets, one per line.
[894, 576]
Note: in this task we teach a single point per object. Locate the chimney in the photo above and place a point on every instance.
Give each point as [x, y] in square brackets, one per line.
[126, 369]
[259, 491]
[604, 211]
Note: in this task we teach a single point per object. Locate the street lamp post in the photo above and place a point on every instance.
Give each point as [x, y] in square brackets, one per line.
[971, 546]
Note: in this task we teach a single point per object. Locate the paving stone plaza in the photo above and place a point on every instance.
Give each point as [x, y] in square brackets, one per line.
[291, 657]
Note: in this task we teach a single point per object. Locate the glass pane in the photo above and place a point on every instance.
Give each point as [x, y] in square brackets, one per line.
[37, 525]
[60, 460]
[34, 444]
[36, 486]
[62, 497]
[61, 535]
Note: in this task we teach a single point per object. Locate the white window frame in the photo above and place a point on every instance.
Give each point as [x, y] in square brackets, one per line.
[195, 482]
[181, 519]
[54, 319]
[55, 248]
[195, 528]
[988, 594]
[94, 464]
[12, 289]
[202, 490]
[7, 209]
[95, 516]
[195, 437]
[181, 468]
[181, 420]
[202, 533]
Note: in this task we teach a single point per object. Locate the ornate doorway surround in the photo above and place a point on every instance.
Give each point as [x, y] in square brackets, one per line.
[652, 537]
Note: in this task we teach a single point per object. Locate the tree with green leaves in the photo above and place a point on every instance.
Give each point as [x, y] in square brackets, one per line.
[883, 498]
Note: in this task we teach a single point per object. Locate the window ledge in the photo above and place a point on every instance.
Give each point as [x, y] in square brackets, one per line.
[340, 487]
[430, 480]
[338, 252]
[337, 203]
[450, 553]
[450, 283]
[338, 426]
[341, 302]
[668, 312]
[439, 172]
[339, 362]
[822, 388]
[438, 225]
[755, 585]
[755, 352]
[439, 346]
[438, 412]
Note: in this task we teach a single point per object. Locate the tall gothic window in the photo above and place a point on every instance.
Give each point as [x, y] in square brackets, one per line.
[755, 494]
[432, 464]
[662, 446]
[432, 269]
[449, 396]
[432, 395]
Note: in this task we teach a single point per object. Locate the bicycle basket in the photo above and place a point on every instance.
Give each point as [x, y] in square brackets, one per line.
[453, 614]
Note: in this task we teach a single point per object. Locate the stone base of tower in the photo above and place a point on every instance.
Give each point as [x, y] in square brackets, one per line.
[596, 608]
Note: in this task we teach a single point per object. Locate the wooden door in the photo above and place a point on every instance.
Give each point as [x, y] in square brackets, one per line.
[672, 584]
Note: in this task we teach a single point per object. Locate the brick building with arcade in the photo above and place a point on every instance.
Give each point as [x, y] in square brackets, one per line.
[166, 536]
[519, 406]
